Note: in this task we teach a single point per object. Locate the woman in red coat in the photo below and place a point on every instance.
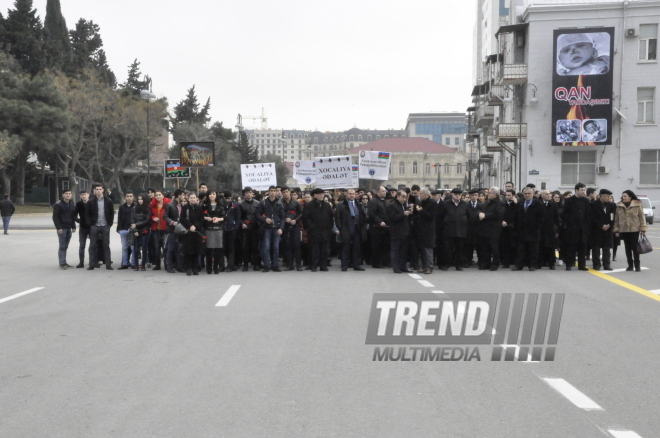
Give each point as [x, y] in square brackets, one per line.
[158, 225]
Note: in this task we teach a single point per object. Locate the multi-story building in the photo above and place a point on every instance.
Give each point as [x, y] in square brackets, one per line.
[511, 124]
[446, 128]
[420, 161]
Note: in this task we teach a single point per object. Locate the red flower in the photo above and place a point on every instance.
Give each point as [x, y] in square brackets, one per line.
[292, 212]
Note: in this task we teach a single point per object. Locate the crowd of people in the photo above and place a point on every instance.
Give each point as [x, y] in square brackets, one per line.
[412, 229]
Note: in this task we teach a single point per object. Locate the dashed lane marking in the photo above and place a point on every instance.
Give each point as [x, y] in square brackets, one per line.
[226, 298]
[415, 276]
[573, 394]
[20, 294]
[623, 434]
[425, 283]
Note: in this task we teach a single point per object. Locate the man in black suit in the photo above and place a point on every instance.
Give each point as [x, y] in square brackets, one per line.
[549, 231]
[350, 219]
[398, 216]
[472, 238]
[490, 228]
[454, 229]
[424, 229]
[576, 224]
[378, 231]
[508, 244]
[318, 220]
[529, 215]
[439, 251]
[100, 215]
[602, 214]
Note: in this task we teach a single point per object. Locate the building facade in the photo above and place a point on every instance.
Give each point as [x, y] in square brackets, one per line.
[446, 128]
[511, 125]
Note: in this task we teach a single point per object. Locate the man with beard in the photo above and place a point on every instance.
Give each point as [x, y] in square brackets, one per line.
[318, 220]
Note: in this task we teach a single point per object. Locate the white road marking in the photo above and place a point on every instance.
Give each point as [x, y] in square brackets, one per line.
[614, 271]
[623, 434]
[425, 283]
[517, 353]
[20, 294]
[572, 394]
[415, 276]
[438, 292]
[226, 298]
[655, 291]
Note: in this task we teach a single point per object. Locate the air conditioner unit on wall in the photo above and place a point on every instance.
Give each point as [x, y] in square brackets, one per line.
[631, 33]
[603, 170]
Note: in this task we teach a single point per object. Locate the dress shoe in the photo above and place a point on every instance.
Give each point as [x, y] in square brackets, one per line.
[398, 272]
[195, 272]
[289, 268]
[532, 268]
[245, 268]
[552, 268]
[307, 268]
[277, 269]
[189, 272]
[265, 270]
[568, 268]
[582, 268]
[209, 271]
[493, 268]
[629, 268]
[156, 268]
[109, 268]
[444, 268]
[299, 268]
[358, 268]
[256, 268]
[313, 269]
[122, 267]
[80, 265]
[505, 266]
[428, 271]
[91, 268]
[421, 271]
[596, 268]
[608, 268]
[377, 266]
[458, 268]
[344, 269]
[324, 269]
[517, 268]
[171, 271]
[482, 268]
[216, 270]
[407, 271]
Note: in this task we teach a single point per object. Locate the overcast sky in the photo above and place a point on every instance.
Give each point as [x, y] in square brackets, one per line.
[311, 64]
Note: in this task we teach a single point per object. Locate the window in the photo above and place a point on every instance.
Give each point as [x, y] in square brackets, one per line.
[648, 42]
[649, 163]
[378, 137]
[402, 168]
[414, 167]
[447, 141]
[459, 168]
[359, 137]
[447, 168]
[437, 168]
[645, 105]
[427, 168]
[386, 136]
[350, 138]
[446, 186]
[578, 166]
[368, 138]
[457, 141]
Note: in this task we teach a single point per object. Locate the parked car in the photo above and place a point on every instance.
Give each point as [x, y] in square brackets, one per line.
[648, 209]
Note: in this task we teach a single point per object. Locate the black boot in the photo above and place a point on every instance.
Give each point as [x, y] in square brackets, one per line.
[637, 267]
[630, 265]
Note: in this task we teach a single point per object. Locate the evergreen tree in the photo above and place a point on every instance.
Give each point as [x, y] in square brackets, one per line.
[187, 111]
[24, 35]
[2, 32]
[100, 64]
[247, 152]
[57, 46]
[133, 82]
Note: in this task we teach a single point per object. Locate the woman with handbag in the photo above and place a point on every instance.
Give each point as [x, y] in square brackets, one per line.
[140, 229]
[629, 222]
[214, 217]
[192, 218]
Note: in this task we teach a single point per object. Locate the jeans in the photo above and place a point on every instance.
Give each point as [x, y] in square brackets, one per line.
[83, 235]
[173, 258]
[141, 249]
[5, 223]
[271, 244]
[64, 239]
[94, 233]
[123, 234]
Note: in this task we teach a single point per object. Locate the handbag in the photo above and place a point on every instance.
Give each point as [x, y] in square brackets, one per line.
[179, 229]
[643, 245]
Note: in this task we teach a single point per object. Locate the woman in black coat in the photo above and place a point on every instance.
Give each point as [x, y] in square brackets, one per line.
[141, 229]
[192, 218]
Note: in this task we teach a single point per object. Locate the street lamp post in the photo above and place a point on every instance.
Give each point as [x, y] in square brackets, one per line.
[149, 96]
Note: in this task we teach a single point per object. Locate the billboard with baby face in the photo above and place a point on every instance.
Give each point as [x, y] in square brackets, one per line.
[582, 83]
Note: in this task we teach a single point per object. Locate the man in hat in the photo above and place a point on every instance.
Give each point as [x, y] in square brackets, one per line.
[399, 213]
[577, 55]
[318, 220]
[473, 228]
[576, 224]
[454, 229]
[378, 229]
[602, 220]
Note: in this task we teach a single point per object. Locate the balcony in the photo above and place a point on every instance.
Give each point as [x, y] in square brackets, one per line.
[492, 145]
[513, 74]
[508, 132]
[483, 116]
[495, 95]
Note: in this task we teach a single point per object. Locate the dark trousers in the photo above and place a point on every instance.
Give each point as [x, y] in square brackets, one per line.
[547, 256]
[439, 250]
[173, 258]
[320, 252]
[630, 241]
[489, 249]
[157, 239]
[527, 252]
[214, 259]
[427, 257]
[291, 242]
[191, 262]
[229, 243]
[507, 246]
[251, 247]
[82, 241]
[596, 259]
[413, 254]
[469, 246]
[398, 254]
[141, 249]
[350, 251]
[571, 249]
[454, 251]
[64, 239]
[5, 223]
[379, 248]
[104, 233]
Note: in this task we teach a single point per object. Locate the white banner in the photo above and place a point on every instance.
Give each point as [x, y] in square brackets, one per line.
[305, 172]
[356, 176]
[259, 176]
[334, 171]
[374, 165]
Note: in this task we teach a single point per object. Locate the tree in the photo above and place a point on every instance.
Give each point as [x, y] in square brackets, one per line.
[187, 111]
[248, 153]
[23, 35]
[100, 63]
[133, 82]
[57, 46]
[86, 45]
[281, 170]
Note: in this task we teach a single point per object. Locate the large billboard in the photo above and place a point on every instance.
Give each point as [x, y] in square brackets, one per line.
[197, 153]
[582, 82]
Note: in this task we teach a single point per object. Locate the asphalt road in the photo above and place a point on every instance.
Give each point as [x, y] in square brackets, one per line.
[140, 354]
